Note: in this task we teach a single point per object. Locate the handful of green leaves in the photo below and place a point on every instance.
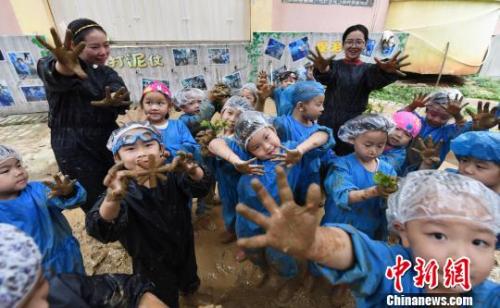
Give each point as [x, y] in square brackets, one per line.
[386, 184]
[217, 126]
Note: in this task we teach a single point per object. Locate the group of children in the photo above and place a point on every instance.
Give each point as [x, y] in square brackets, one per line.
[163, 163]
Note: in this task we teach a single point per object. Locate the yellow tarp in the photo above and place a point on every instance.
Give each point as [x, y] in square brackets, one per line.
[467, 25]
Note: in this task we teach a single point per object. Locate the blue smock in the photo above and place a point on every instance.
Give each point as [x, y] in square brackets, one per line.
[42, 219]
[347, 174]
[395, 157]
[367, 276]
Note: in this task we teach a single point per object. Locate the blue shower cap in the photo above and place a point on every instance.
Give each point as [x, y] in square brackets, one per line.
[482, 145]
[303, 91]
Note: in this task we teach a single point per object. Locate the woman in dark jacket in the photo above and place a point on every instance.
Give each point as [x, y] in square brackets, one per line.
[85, 97]
[349, 81]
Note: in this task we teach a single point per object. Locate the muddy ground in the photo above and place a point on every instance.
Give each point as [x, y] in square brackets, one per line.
[224, 281]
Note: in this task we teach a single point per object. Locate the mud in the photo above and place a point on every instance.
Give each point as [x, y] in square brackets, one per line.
[225, 282]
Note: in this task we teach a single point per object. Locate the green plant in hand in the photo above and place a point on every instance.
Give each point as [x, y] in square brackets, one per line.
[217, 126]
[386, 184]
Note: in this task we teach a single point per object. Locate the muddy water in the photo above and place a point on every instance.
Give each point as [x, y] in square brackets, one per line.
[224, 281]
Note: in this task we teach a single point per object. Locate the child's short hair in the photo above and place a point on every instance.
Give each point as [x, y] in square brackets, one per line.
[482, 145]
[237, 102]
[441, 97]
[364, 123]
[303, 91]
[186, 95]
[114, 140]
[248, 124]
[7, 152]
[434, 194]
[408, 122]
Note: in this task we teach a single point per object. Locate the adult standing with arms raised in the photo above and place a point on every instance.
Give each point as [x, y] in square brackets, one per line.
[85, 97]
[349, 81]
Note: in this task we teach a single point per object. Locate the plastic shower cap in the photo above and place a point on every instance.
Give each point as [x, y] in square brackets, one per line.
[303, 91]
[363, 123]
[239, 103]
[20, 265]
[441, 97]
[482, 145]
[186, 95]
[249, 123]
[408, 122]
[434, 194]
[116, 135]
[252, 88]
[7, 152]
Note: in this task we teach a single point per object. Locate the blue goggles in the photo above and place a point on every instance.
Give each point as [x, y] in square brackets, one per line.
[130, 139]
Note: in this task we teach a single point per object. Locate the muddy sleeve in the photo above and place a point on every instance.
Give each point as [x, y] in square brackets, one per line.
[197, 189]
[116, 290]
[103, 230]
[53, 80]
[377, 78]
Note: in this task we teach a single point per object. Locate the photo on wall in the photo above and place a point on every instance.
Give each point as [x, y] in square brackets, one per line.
[369, 48]
[233, 80]
[23, 63]
[194, 82]
[185, 56]
[299, 49]
[147, 81]
[34, 93]
[274, 48]
[218, 55]
[6, 97]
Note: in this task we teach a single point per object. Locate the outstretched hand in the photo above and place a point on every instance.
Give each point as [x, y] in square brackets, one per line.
[249, 168]
[117, 182]
[116, 99]
[320, 63]
[290, 228]
[454, 106]
[484, 118]
[290, 157]
[428, 150]
[393, 65]
[61, 187]
[66, 55]
[420, 100]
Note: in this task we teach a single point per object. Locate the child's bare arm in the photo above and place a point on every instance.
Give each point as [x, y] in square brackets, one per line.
[219, 147]
[363, 194]
[294, 230]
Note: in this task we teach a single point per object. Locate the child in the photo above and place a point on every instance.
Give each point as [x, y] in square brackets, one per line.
[196, 109]
[225, 173]
[156, 101]
[408, 126]
[37, 210]
[353, 197]
[152, 223]
[307, 99]
[437, 214]
[257, 137]
[22, 285]
[250, 92]
[440, 107]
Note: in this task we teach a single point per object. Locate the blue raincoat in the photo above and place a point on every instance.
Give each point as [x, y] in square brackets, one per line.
[289, 129]
[42, 219]
[348, 174]
[177, 137]
[367, 278]
[395, 157]
[285, 265]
